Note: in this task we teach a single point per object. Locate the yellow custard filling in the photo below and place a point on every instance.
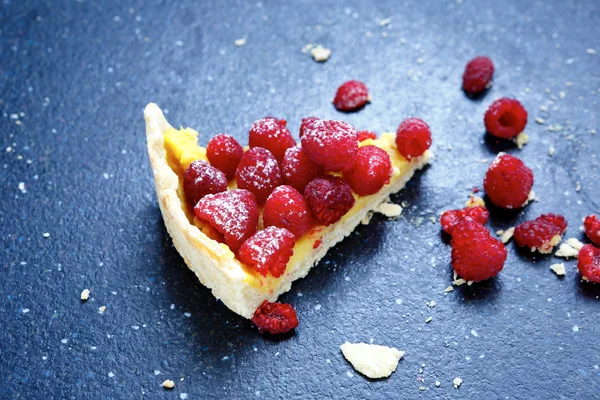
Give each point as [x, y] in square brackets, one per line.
[182, 148]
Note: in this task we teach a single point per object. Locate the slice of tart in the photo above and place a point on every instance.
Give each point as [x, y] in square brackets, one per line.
[242, 287]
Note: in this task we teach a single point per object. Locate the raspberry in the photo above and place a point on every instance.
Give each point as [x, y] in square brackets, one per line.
[508, 182]
[371, 170]
[297, 169]
[224, 153]
[275, 318]
[542, 233]
[329, 199]
[476, 255]
[259, 173]
[351, 96]
[364, 135]
[271, 134]
[234, 214]
[201, 179]
[413, 137]
[268, 250]
[589, 262]
[505, 118]
[450, 218]
[331, 144]
[592, 228]
[478, 75]
[305, 122]
[287, 208]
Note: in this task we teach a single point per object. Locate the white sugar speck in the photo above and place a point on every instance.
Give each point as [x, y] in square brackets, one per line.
[111, 374]
[46, 235]
[474, 333]
[172, 306]
[135, 327]
[156, 372]
[21, 187]
[575, 328]
[64, 341]
[25, 310]
[317, 307]
[187, 314]
[183, 396]
[398, 301]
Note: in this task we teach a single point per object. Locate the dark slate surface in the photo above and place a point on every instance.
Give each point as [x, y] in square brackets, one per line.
[75, 76]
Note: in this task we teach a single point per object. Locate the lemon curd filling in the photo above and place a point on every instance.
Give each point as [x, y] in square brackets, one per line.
[182, 148]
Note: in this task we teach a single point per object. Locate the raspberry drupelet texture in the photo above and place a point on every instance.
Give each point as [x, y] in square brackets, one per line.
[505, 118]
[542, 233]
[271, 134]
[305, 122]
[297, 169]
[234, 214]
[478, 75]
[508, 182]
[364, 135]
[413, 138]
[588, 262]
[351, 96]
[329, 199]
[371, 170]
[259, 173]
[201, 179]
[224, 153]
[451, 217]
[287, 208]
[592, 228]
[330, 144]
[476, 255]
[275, 318]
[268, 250]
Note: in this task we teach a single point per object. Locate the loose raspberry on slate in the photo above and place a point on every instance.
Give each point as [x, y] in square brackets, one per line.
[330, 144]
[476, 255]
[234, 214]
[351, 96]
[364, 135]
[305, 122]
[271, 134]
[287, 208]
[449, 218]
[478, 75]
[275, 318]
[297, 169]
[268, 250]
[413, 138]
[508, 182]
[592, 228]
[371, 170]
[259, 173]
[224, 153]
[201, 179]
[542, 233]
[589, 262]
[505, 118]
[329, 199]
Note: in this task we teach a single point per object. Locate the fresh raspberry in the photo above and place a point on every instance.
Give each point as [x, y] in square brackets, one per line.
[413, 138]
[268, 250]
[508, 182]
[271, 134]
[364, 135]
[505, 118]
[259, 173]
[331, 144]
[329, 199]
[371, 170]
[297, 169]
[351, 96]
[589, 262]
[478, 75]
[201, 179]
[224, 153]
[234, 214]
[275, 318]
[305, 122]
[542, 233]
[449, 218]
[592, 228]
[476, 255]
[287, 208]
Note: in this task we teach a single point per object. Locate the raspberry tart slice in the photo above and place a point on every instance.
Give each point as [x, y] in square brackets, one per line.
[247, 258]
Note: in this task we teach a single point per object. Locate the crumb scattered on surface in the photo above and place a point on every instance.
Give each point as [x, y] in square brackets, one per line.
[574, 243]
[507, 235]
[438, 383]
[559, 269]
[449, 289]
[540, 120]
[591, 51]
[521, 140]
[384, 22]
[101, 309]
[46, 235]
[457, 382]
[566, 251]
[390, 210]
[240, 42]
[551, 151]
[85, 294]
[372, 360]
[428, 320]
[459, 282]
[320, 54]
[431, 304]
[168, 384]
[474, 201]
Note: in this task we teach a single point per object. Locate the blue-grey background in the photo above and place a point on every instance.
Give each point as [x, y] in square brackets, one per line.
[74, 78]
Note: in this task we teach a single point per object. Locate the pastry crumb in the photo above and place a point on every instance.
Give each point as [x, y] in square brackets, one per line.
[521, 140]
[372, 360]
[459, 282]
[551, 151]
[506, 235]
[320, 53]
[438, 383]
[168, 384]
[240, 42]
[390, 210]
[85, 294]
[475, 201]
[46, 235]
[566, 251]
[539, 120]
[559, 269]
[384, 22]
[428, 320]
[431, 304]
[591, 51]
[574, 243]
[449, 289]
[101, 309]
[457, 382]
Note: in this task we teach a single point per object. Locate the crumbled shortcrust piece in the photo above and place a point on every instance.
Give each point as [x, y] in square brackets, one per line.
[85, 294]
[457, 382]
[566, 251]
[320, 54]
[559, 269]
[506, 235]
[475, 201]
[390, 210]
[521, 140]
[372, 360]
[168, 384]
